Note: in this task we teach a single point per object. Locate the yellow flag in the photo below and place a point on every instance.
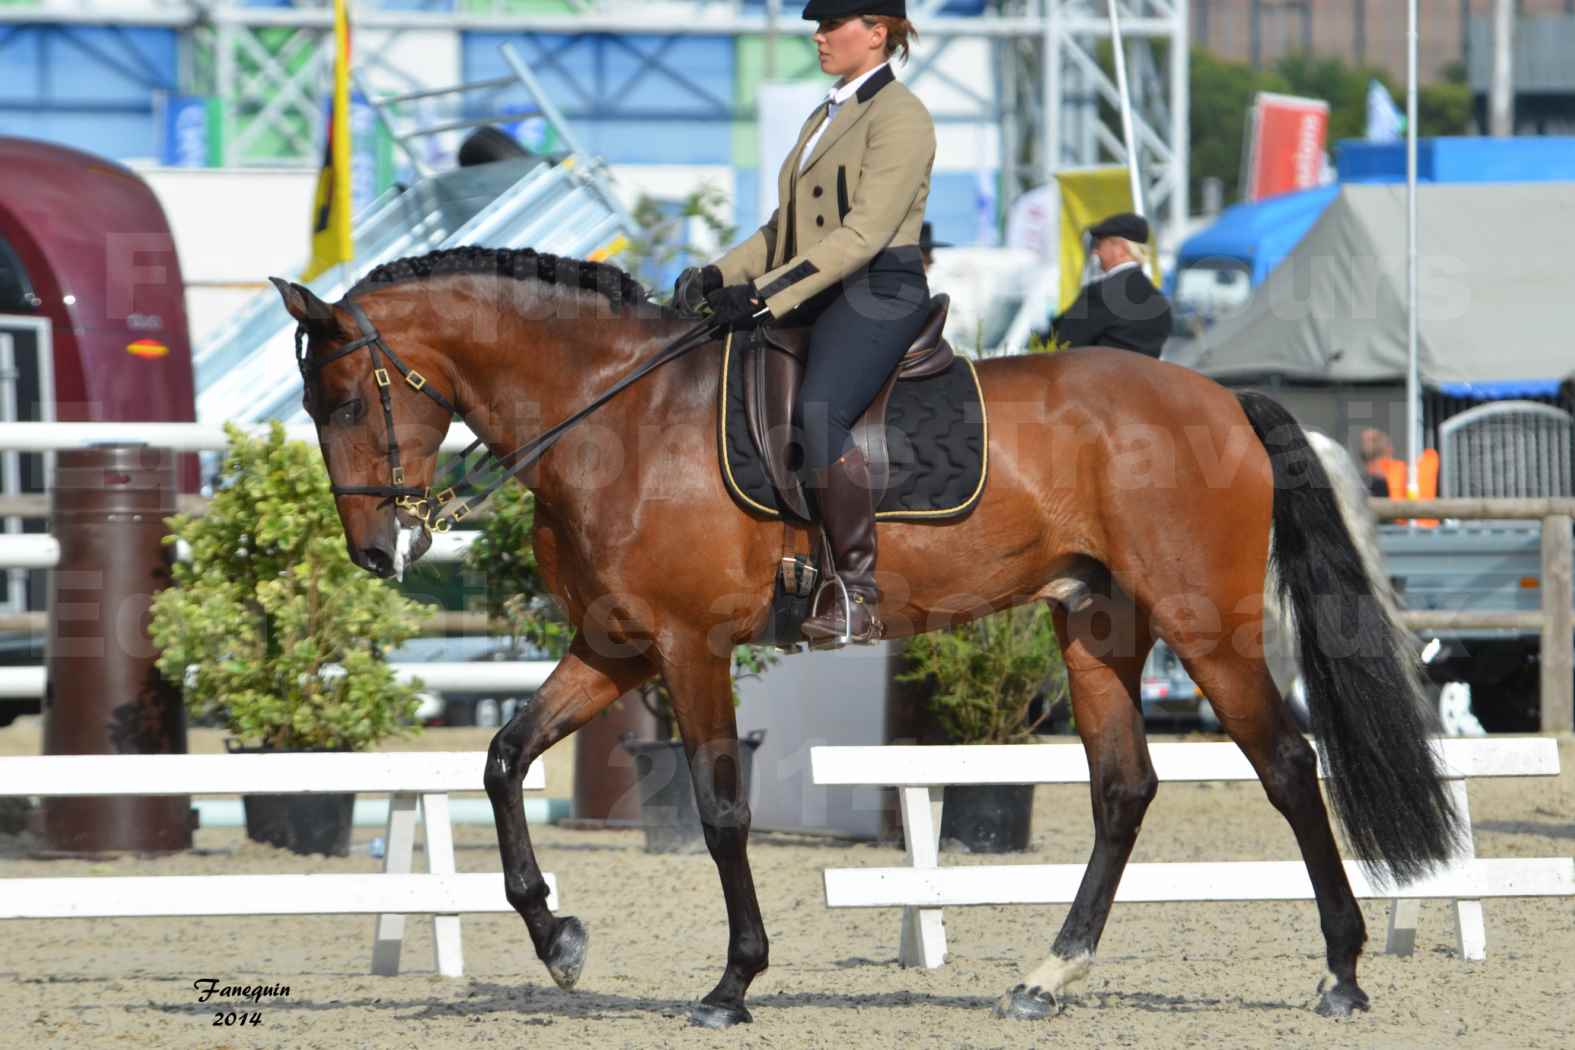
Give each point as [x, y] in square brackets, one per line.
[1087, 196]
[331, 241]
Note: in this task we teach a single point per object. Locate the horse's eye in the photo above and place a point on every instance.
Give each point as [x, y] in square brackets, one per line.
[347, 414]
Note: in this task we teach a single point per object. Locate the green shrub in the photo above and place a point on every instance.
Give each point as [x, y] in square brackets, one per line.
[987, 673]
[515, 592]
[269, 627]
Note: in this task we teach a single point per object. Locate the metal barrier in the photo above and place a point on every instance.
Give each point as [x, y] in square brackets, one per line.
[1507, 449]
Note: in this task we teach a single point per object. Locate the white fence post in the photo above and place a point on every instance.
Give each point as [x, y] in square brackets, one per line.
[1470, 932]
[399, 847]
[923, 929]
[448, 956]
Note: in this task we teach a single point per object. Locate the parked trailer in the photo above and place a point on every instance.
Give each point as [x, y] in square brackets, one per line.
[92, 323]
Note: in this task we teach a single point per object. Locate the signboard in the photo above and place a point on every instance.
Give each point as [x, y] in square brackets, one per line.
[1286, 137]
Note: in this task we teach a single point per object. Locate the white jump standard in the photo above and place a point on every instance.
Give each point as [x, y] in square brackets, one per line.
[412, 778]
[924, 888]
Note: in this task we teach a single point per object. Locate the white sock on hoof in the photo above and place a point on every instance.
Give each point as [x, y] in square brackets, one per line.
[1056, 974]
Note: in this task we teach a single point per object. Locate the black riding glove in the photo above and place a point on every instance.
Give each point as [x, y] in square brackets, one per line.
[692, 287]
[738, 306]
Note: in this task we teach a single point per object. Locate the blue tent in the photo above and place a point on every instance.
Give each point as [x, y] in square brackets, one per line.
[1257, 235]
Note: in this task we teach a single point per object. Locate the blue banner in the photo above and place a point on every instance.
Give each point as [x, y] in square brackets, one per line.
[185, 132]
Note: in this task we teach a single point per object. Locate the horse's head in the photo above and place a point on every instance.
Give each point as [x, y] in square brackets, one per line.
[380, 421]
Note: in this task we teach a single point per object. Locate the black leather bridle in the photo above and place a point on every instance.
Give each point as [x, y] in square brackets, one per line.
[459, 479]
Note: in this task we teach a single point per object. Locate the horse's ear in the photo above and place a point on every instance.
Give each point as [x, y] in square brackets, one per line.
[306, 307]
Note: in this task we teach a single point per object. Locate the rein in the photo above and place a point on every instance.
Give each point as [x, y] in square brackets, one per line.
[433, 510]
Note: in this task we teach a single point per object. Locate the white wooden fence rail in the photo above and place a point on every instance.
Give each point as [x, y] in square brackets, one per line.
[923, 888]
[459, 676]
[416, 780]
[41, 550]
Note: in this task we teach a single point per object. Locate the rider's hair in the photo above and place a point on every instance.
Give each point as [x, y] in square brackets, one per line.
[1136, 250]
[900, 33]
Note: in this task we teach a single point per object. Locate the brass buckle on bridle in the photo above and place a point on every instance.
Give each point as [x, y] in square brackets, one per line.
[428, 510]
[416, 506]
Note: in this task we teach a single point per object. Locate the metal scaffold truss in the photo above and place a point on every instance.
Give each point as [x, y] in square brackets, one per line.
[1060, 101]
[1053, 96]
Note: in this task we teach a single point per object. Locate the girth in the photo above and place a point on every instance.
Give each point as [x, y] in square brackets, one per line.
[772, 380]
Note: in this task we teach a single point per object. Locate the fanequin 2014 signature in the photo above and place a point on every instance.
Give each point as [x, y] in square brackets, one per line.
[209, 988]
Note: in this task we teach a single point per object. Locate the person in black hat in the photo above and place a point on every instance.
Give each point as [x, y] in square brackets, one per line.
[928, 244]
[1120, 307]
[842, 256]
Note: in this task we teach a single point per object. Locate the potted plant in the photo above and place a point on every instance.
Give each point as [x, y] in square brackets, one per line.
[274, 634]
[985, 677]
[668, 813]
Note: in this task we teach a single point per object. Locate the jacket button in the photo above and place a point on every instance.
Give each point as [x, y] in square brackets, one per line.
[820, 220]
[818, 191]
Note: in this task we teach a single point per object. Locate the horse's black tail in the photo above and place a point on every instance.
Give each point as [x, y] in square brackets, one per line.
[1364, 691]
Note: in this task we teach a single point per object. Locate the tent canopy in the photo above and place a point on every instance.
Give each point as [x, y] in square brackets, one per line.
[1259, 234]
[1497, 291]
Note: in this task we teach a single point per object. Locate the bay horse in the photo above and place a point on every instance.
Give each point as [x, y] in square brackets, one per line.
[1135, 497]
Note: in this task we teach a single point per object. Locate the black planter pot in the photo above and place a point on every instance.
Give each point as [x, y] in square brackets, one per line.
[304, 824]
[987, 818]
[301, 823]
[668, 813]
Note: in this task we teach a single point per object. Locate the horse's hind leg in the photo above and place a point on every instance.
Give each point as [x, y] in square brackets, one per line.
[1242, 692]
[701, 686]
[582, 684]
[1104, 646]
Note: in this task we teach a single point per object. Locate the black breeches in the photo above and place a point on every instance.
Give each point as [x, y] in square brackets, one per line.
[859, 335]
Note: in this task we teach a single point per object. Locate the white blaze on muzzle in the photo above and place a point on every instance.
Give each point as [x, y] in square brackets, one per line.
[407, 537]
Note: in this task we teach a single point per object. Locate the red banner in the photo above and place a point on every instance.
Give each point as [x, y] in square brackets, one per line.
[1285, 145]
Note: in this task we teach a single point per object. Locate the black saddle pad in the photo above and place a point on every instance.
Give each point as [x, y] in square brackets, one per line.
[936, 434]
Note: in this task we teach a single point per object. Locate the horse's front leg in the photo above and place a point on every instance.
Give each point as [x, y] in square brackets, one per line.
[701, 684]
[582, 684]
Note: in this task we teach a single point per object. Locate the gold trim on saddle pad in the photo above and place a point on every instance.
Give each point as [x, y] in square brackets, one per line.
[904, 515]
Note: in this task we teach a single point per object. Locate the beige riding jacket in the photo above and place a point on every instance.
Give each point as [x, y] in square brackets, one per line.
[862, 191]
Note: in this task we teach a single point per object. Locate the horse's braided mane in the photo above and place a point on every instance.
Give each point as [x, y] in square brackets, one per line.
[521, 264]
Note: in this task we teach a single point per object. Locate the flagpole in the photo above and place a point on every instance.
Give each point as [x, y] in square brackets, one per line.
[1126, 107]
[1413, 384]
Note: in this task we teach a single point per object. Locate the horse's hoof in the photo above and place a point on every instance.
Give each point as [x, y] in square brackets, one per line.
[1342, 1000]
[709, 1015]
[1027, 1004]
[566, 954]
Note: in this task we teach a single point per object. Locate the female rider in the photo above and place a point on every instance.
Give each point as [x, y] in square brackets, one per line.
[841, 254]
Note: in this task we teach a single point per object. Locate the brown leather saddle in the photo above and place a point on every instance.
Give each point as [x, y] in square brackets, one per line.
[771, 383]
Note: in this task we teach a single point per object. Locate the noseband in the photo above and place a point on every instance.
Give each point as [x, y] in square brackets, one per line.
[459, 478]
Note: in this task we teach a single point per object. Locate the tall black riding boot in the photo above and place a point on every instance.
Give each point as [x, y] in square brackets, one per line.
[847, 511]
